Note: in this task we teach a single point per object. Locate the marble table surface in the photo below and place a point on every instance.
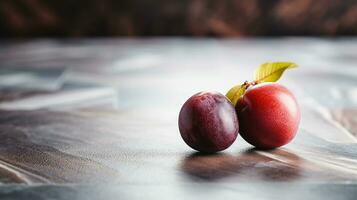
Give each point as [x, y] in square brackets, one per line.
[97, 119]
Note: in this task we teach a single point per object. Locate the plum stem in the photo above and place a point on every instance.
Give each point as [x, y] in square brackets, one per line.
[255, 82]
[247, 84]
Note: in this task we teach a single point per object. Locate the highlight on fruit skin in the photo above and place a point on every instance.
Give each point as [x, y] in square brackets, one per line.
[208, 122]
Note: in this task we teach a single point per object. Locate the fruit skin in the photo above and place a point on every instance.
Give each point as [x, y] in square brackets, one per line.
[268, 115]
[208, 122]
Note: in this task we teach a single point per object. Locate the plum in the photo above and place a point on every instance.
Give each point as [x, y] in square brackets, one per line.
[208, 122]
[268, 115]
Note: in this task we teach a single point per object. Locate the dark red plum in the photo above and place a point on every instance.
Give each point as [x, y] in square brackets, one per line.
[208, 122]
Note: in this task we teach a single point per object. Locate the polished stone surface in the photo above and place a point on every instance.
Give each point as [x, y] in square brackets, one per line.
[117, 137]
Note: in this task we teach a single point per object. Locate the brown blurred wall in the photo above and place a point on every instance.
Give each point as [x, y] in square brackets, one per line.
[223, 18]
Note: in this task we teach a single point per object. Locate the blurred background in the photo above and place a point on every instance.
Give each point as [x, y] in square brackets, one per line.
[224, 18]
[37, 57]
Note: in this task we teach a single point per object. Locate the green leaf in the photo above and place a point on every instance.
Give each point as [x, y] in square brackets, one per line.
[271, 72]
[236, 92]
